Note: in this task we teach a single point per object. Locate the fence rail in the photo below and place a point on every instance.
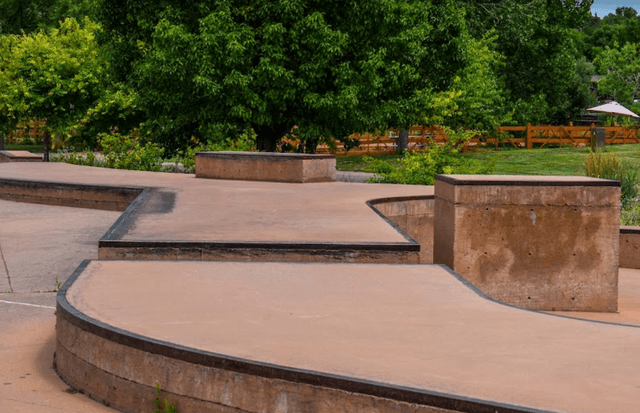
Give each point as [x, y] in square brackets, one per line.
[520, 137]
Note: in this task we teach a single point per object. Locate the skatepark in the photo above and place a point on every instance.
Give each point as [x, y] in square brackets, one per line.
[311, 295]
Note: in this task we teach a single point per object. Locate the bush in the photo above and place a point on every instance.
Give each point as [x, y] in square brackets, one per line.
[609, 166]
[126, 152]
[421, 168]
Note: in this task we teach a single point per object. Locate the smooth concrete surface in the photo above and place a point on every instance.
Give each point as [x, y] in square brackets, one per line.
[39, 244]
[407, 326]
[545, 243]
[266, 166]
[43, 245]
[630, 247]
[19, 156]
[188, 209]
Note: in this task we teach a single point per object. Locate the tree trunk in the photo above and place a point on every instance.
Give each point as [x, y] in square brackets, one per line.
[46, 141]
[268, 136]
[1, 143]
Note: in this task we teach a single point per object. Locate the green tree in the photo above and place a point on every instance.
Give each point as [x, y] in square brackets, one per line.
[538, 40]
[620, 67]
[622, 27]
[54, 76]
[211, 70]
[17, 16]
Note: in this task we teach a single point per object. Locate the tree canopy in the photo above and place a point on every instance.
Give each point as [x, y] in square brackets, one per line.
[328, 68]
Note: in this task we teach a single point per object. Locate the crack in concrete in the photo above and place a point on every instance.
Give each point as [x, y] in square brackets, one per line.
[6, 269]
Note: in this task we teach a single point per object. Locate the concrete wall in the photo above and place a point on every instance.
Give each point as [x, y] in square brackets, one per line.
[546, 245]
[630, 247]
[264, 166]
[124, 376]
[414, 216]
[103, 197]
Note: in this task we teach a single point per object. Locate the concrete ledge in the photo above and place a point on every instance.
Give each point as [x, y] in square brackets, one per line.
[110, 198]
[630, 247]
[121, 368]
[548, 244]
[19, 156]
[266, 166]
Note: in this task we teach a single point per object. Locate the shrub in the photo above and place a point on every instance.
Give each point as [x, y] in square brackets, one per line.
[127, 152]
[609, 166]
[421, 168]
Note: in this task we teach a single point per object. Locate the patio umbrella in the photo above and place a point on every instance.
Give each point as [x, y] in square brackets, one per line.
[613, 108]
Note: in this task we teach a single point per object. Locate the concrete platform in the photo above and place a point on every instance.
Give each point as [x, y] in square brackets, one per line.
[393, 336]
[179, 217]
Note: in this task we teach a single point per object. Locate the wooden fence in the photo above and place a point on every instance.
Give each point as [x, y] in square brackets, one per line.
[520, 137]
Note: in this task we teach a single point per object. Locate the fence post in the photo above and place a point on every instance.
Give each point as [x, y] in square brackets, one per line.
[529, 136]
[403, 140]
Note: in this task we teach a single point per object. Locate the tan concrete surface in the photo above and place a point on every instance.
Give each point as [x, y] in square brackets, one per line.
[544, 247]
[40, 244]
[219, 210]
[28, 383]
[408, 325]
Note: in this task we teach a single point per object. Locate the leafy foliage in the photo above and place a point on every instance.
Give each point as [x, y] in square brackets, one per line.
[621, 69]
[421, 168]
[538, 41]
[54, 76]
[214, 70]
[609, 166]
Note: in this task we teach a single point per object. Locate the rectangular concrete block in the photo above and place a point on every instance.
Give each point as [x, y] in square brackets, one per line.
[266, 166]
[19, 156]
[545, 243]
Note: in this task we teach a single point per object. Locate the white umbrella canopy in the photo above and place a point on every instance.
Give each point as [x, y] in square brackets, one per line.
[613, 108]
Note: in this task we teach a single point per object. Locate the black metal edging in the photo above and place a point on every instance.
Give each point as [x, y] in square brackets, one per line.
[273, 371]
[470, 182]
[119, 228]
[296, 246]
[267, 156]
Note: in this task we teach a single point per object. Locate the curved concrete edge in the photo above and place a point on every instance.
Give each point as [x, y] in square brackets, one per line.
[121, 368]
[413, 217]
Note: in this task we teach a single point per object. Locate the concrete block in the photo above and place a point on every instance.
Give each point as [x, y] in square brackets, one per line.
[265, 166]
[19, 156]
[545, 243]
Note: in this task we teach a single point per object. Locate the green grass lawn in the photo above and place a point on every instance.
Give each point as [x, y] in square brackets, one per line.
[30, 148]
[551, 161]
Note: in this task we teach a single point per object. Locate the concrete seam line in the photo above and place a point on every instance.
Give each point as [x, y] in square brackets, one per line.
[6, 269]
[30, 305]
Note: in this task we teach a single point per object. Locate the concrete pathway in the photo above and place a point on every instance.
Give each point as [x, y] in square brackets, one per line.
[40, 244]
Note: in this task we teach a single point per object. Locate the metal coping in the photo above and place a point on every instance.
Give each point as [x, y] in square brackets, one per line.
[273, 371]
[488, 182]
[107, 242]
[265, 155]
